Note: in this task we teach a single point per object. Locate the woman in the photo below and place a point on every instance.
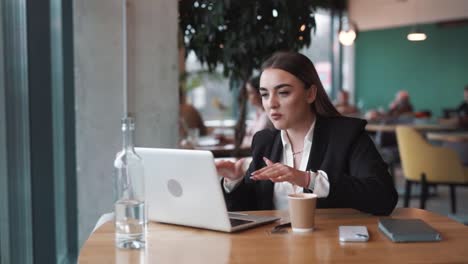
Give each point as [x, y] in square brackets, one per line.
[312, 149]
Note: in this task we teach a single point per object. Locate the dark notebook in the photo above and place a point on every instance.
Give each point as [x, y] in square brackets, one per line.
[408, 230]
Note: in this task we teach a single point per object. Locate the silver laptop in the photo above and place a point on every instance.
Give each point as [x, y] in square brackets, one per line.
[183, 188]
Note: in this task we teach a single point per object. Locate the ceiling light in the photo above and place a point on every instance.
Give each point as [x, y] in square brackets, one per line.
[347, 38]
[416, 35]
[348, 33]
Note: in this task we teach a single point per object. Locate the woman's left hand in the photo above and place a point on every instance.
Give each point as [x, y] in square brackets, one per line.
[278, 172]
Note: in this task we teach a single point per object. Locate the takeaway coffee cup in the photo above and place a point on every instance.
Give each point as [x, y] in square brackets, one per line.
[302, 211]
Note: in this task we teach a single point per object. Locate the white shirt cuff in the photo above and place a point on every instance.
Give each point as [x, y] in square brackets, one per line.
[319, 183]
[229, 185]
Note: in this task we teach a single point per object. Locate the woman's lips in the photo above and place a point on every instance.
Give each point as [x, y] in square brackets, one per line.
[276, 116]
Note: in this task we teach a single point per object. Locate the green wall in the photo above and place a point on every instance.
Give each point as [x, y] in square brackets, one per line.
[434, 72]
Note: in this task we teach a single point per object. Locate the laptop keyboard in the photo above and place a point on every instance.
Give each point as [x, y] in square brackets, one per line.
[236, 222]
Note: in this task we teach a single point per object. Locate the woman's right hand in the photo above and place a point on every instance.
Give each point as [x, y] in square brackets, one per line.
[230, 170]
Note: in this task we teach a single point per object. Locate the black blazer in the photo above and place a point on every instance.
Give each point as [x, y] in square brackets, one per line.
[358, 176]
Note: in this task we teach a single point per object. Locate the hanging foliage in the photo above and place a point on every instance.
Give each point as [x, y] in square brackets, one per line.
[240, 35]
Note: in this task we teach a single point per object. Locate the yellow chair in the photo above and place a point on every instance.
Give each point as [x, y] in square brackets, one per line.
[428, 165]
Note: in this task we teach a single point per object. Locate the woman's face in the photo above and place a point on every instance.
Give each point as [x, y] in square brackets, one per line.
[285, 99]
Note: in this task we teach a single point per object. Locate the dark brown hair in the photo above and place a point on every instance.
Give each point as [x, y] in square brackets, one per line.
[302, 68]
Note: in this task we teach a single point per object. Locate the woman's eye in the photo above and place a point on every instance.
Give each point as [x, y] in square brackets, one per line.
[264, 95]
[283, 93]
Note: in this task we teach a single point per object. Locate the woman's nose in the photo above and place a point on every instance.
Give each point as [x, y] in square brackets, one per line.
[273, 101]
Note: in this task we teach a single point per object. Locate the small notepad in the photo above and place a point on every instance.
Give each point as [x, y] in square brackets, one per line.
[408, 230]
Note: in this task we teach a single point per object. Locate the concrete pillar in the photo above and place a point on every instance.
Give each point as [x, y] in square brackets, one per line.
[152, 95]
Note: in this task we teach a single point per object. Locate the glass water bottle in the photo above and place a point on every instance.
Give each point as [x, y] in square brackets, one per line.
[129, 207]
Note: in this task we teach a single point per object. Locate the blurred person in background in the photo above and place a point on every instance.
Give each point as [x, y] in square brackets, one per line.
[260, 120]
[462, 110]
[189, 117]
[343, 106]
[401, 105]
[399, 108]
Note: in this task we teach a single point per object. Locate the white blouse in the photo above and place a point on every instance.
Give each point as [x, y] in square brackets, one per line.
[319, 183]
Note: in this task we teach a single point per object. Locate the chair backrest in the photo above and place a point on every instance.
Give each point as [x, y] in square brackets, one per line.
[418, 156]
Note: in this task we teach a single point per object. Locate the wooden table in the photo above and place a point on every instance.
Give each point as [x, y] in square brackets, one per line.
[456, 137]
[392, 127]
[176, 244]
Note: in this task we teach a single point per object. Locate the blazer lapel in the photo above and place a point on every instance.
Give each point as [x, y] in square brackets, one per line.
[319, 144]
[267, 187]
[277, 148]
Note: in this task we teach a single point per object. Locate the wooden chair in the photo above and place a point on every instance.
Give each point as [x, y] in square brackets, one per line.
[428, 165]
